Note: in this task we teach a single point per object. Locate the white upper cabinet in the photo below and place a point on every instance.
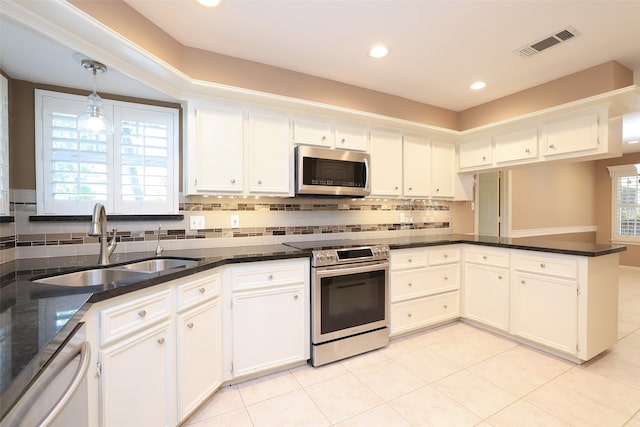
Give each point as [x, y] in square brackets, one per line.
[417, 167]
[270, 158]
[573, 134]
[386, 164]
[476, 154]
[517, 146]
[215, 161]
[312, 132]
[350, 137]
[443, 169]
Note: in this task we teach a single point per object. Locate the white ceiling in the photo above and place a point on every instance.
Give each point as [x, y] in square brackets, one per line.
[437, 48]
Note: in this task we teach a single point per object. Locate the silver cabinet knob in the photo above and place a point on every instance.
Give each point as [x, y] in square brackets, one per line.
[270, 277]
[484, 257]
[445, 306]
[527, 151]
[395, 188]
[410, 284]
[446, 255]
[410, 188]
[446, 278]
[142, 313]
[499, 277]
[522, 281]
[233, 181]
[190, 325]
[201, 290]
[552, 146]
[542, 265]
[484, 158]
[160, 341]
[409, 315]
[324, 138]
[259, 182]
[343, 140]
[295, 297]
[409, 260]
[437, 190]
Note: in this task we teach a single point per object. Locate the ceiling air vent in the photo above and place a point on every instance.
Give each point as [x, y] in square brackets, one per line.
[547, 42]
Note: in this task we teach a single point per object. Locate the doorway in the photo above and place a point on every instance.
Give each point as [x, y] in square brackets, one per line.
[492, 210]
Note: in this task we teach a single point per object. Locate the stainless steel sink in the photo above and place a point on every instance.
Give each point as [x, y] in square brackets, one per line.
[116, 273]
[158, 264]
[96, 276]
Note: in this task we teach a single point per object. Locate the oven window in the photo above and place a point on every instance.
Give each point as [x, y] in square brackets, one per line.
[352, 300]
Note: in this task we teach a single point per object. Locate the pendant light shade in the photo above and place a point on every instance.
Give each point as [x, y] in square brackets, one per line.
[94, 120]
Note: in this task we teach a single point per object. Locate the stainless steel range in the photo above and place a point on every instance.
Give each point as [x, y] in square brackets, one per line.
[349, 301]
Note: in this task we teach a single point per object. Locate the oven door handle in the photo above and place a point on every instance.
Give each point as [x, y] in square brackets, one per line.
[342, 270]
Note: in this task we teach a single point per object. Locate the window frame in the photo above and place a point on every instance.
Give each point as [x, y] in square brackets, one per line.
[617, 172]
[47, 102]
[4, 146]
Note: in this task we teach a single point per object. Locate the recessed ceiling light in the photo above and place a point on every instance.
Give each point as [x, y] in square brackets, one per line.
[210, 3]
[478, 85]
[378, 51]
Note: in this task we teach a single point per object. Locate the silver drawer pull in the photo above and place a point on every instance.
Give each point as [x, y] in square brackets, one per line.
[446, 278]
[446, 255]
[324, 138]
[410, 284]
[233, 181]
[542, 265]
[201, 290]
[499, 277]
[445, 306]
[295, 297]
[270, 277]
[160, 341]
[522, 281]
[484, 257]
[142, 313]
[190, 325]
[527, 151]
[409, 260]
[409, 315]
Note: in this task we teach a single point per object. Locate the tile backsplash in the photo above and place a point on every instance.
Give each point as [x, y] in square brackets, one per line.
[264, 220]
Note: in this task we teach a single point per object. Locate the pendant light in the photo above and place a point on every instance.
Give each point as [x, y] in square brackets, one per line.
[94, 120]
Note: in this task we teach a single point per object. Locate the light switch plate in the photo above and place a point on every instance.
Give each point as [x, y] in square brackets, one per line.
[196, 222]
[235, 221]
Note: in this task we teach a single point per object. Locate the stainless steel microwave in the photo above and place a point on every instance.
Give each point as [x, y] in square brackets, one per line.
[326, 172]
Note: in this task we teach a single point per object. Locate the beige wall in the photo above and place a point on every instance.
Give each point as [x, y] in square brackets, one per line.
[603, 210]
[553, 195]
[462, 218]
[218, 68]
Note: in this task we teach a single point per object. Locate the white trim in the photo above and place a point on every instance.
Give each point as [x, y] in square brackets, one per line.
[553, 230]
[626, 243]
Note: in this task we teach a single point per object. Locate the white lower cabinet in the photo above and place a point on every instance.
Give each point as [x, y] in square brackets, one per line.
[486, 295]
[269, 313]
[545, 310]
[424, 285]
[199, 342]
[486, 286]
[137, 379]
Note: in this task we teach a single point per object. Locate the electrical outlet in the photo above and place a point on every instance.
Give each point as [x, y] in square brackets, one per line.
[403, 218]
[235, 221]
[196, 222]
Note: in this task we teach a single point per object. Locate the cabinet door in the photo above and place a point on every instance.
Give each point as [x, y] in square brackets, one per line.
[475, 154]
[352, 138]
[219, 150]
[545, 310]
[386, 164]
[517, 146]
[571, 135]
[312, 132]
[137, 380]
[417, 167]
[199, 364]
[269, 154]
[486, 295]
[443, 169]
[268, 328]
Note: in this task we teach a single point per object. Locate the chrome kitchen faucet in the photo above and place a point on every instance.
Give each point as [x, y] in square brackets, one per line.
[99, 228]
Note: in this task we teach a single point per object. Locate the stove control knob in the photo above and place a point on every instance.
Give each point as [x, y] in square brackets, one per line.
[320, 258]
[330, 257]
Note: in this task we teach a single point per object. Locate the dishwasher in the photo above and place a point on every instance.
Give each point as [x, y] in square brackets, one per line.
[58, 395]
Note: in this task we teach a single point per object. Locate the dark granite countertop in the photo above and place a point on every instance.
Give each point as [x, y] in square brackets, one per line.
[36, 318]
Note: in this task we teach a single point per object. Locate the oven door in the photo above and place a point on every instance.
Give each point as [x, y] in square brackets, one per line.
[348, 300]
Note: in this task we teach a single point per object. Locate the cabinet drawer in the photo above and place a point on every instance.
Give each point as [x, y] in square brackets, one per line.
[560, 267]
[200, 290]
[497, 258]
[408, 258]
[267, 275]
[124, 319]
[424, 281]
[444, 256]
[414, 314]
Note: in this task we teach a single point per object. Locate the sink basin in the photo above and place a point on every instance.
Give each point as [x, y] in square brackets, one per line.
[158, 264]
[96, 276]
[116, 273]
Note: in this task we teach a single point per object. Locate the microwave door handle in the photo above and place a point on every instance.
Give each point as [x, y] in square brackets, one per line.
[366, 174]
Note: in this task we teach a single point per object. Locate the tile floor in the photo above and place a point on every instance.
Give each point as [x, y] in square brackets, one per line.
[456, 375]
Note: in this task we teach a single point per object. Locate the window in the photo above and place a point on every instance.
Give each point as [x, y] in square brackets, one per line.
[626, 203]
[4, 146]
[133, 171]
